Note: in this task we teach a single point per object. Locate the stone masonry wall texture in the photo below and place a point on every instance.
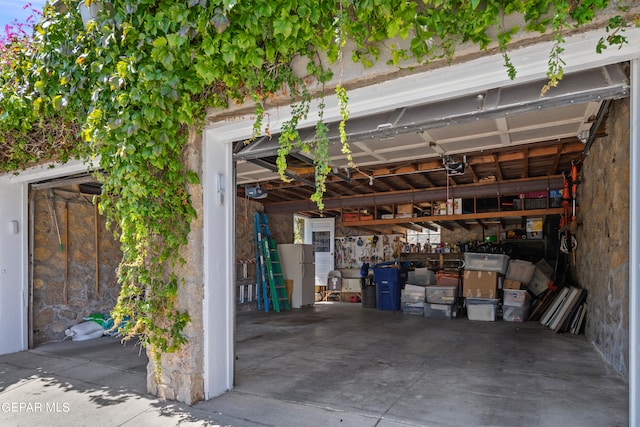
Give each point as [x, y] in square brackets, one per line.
[602, 266]
[182, 376]
[58, 303]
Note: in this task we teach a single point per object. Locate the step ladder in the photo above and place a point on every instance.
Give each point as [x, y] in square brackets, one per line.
[272, 291]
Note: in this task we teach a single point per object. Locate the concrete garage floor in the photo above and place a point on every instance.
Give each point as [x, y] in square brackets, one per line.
[335, 364]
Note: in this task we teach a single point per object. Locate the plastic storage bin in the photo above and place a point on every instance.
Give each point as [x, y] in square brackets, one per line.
[421, 276]
[441, 294]
[412, 293]
[516, 298]
[486, 262]
[483, 309]
[413, 308]
[515, 314]
[389, 282]
[448, 279]
[522, 271]
[440, 311]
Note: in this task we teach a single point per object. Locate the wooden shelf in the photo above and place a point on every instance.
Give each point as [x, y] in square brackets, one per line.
[460, 217]
[433, 260]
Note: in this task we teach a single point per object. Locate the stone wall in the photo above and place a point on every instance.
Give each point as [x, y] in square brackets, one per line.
[462, 235]
[603, 239]
[281, 228]
[64, 281]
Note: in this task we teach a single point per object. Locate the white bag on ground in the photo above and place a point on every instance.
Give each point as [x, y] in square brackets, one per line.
[84, 331]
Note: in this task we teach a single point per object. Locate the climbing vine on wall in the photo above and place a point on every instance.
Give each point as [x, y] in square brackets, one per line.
[129, 87]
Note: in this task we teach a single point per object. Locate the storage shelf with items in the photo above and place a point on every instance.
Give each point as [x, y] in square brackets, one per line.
[456, 210]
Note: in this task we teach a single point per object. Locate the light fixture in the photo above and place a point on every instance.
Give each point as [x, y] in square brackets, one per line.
[255, 192]
[583, 136]
[452, 167]
[370, 180]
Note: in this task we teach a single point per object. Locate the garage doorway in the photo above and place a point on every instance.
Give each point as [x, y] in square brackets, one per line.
[70, 284]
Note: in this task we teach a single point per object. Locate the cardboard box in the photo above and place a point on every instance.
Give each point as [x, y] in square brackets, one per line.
[406, 208]
[440, 208]
[511, 284]
[534, 228]
[289, 285]
[454, 206]
[480, 284]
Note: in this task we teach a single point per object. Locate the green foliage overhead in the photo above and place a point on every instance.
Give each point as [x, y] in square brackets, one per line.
[129, 88]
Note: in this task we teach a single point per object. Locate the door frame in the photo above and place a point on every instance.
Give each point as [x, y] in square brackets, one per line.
[22, 181]
[324, 224]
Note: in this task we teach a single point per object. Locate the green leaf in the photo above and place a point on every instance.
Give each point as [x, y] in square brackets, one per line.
[220, 21]
[256, 60]
[39, 87]
[192, 177]
[57, 102]
[282, 26]
[160, 42]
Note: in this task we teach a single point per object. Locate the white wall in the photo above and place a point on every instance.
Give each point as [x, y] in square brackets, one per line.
[13, 267]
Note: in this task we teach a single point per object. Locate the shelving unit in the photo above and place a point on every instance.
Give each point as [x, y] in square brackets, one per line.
[477, 208]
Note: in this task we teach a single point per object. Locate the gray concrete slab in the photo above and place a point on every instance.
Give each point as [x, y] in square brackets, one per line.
[334, 364]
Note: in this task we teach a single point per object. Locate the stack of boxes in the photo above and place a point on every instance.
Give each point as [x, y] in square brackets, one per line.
[424, 294]
[413, 294]
[441, 302]
[515, 305]
[480, 285]
[413, 299]
[516, 298]
[488, 280]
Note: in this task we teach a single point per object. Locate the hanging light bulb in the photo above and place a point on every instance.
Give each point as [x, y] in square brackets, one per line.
[370, 180]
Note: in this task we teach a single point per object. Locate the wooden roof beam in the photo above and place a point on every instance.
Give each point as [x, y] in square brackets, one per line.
[463, 225]
[498, 170]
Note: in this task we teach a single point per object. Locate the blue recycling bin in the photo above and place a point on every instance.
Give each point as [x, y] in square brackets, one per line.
[390, 280]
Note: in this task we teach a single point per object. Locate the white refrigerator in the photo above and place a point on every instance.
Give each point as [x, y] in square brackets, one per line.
[297, 263]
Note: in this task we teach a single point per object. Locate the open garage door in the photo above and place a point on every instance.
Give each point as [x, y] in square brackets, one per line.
[507, 133]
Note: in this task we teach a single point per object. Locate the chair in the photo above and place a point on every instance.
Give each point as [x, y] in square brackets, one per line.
[334, 286]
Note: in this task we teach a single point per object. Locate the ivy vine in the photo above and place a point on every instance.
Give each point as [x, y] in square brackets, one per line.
[130, 86]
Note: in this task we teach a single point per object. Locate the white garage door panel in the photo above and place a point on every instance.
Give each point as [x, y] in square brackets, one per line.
[13, 305]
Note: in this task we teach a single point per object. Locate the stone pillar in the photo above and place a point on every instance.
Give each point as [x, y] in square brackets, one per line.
[183, 372]
[603, 239]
